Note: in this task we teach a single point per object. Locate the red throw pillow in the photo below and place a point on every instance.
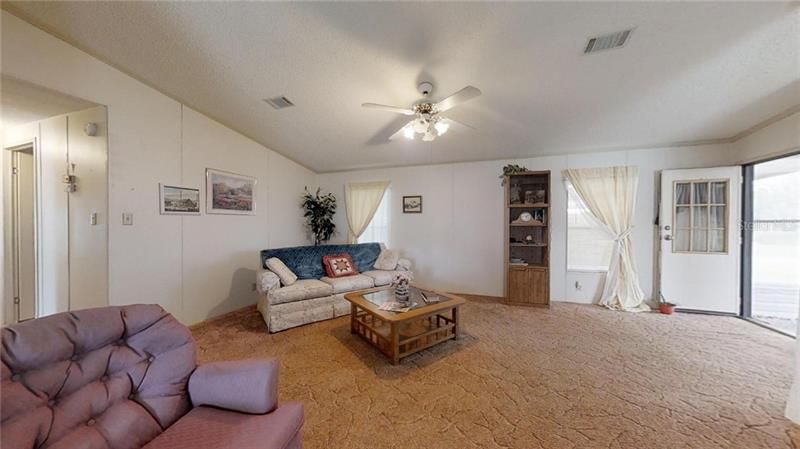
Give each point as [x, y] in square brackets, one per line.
[338, 265]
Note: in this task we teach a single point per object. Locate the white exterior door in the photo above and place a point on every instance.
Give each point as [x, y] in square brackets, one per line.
[700, 238]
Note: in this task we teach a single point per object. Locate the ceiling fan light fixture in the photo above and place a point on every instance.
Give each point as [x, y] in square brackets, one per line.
[441, 127]
[420, 125]
[408, 132]
[428, 137]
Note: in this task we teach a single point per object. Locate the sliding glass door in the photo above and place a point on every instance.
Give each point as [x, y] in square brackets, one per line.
[772, 242]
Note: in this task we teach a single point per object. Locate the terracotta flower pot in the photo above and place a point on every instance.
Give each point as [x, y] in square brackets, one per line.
[666, 309]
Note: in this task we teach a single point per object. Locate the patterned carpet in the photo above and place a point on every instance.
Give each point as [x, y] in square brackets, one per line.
[574, 376]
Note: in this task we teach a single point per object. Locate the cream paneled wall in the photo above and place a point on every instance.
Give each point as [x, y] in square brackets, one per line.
[456, 244]
[195, 267]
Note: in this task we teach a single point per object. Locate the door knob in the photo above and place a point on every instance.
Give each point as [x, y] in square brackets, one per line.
[667, 237]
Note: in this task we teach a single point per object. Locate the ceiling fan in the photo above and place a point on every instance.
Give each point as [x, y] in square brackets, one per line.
[428, 120]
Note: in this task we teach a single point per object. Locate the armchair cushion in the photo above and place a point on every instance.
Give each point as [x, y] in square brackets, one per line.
[248, 386]
[211, 428]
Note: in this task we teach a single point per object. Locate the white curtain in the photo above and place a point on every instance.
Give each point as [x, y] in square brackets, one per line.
[610, 195]
[361, 201]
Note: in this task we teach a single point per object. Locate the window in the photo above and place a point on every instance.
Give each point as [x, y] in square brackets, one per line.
[700, 218]
[378, 228]
[589, 246]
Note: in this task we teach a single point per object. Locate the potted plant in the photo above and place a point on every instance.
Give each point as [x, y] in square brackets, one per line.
[665, 306]
[511, 169]
[319, 211]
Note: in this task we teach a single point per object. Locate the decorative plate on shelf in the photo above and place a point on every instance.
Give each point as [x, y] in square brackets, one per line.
[525, 216]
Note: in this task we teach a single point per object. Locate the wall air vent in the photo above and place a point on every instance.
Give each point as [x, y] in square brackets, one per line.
[607, 41]
[279, 102]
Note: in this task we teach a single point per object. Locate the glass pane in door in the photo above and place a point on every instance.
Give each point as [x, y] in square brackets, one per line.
[682, 190]
[775, 276]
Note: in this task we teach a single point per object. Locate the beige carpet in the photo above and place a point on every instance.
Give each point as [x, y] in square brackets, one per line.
[574, 376]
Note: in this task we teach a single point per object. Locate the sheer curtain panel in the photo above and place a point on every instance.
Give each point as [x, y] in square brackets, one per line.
[361, 201]
[610, 196]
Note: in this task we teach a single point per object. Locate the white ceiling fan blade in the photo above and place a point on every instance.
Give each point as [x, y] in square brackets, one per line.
[459, 124]
[399, 132]
[404, 111]
[465, 94]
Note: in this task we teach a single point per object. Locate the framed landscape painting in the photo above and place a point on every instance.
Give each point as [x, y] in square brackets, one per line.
[229, 193]
[179, 200]
[412, 204]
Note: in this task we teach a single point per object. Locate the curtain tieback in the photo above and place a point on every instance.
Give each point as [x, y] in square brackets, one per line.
[623, 235]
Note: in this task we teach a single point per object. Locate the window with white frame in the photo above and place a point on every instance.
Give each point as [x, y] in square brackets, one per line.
[589, 246]
[378, 228]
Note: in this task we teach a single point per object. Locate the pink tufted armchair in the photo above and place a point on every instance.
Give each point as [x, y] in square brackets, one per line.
[127, 377]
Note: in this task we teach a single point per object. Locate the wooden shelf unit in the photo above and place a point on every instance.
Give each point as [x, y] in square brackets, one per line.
[528, 284]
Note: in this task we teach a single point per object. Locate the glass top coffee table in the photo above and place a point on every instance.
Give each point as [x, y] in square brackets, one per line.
[399, 334]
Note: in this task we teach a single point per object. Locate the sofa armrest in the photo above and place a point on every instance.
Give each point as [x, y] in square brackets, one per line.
[403, 265]
[247, 386]
[266, 281]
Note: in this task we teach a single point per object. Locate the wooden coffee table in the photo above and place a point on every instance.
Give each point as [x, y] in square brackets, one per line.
[399, 334]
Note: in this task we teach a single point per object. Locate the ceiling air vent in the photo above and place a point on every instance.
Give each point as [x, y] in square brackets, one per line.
[607, 41]
[279, 102]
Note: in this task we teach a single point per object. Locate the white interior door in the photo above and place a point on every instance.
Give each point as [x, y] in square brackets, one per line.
[700, 238]
[23, 226]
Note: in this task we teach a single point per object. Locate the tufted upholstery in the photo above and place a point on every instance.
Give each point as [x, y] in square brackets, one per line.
[306, 261]
[67, 379]
[112, 377]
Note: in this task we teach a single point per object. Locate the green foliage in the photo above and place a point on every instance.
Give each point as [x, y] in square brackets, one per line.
[511, 169]
[319, 211]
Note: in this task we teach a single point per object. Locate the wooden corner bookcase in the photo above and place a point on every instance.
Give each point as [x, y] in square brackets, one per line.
[527, 238]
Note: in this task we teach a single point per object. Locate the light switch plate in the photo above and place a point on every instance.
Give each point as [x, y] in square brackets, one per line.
[127, 218]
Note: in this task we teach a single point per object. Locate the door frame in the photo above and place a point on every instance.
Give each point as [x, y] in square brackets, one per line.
[746, 227]
[10, 307]
[733, 237]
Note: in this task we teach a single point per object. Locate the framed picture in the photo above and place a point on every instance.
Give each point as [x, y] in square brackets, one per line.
[179, 200]
[229, 193]
[412, 204]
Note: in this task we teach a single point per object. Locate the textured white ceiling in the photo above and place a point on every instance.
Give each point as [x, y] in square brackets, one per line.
[690, 72]
[22, 102]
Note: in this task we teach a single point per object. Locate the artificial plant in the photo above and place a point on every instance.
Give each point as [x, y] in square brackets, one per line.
[319, 211]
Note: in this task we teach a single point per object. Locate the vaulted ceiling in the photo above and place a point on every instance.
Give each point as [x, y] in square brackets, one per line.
[690, 71]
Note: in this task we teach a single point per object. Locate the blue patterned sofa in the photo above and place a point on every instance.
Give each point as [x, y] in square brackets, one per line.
[315, 297]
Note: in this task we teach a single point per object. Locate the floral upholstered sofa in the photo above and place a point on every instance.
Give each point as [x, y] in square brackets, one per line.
[294, 288]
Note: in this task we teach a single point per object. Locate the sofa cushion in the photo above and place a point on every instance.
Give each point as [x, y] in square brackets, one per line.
[300, 290]
[281, 270]
[349, 283]
[339, 265]
[306, 261]
[383, 277]
[387, 260]
[212, 428]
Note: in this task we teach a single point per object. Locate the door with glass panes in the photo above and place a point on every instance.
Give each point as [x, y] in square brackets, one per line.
[700, 238]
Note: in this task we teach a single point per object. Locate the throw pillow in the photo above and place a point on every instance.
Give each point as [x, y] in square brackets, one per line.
[387, 260]
[338, 265]
[286, 275]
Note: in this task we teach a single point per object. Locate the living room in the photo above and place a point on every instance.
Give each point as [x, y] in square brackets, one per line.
[517, 181]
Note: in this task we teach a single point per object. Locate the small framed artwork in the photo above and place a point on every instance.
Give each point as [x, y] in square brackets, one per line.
[179, 200]
[412, 204]
[229, 193]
